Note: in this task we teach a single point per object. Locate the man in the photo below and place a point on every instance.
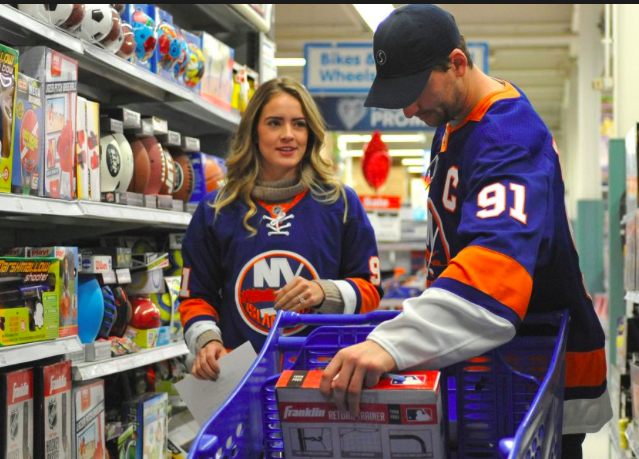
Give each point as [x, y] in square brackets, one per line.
[500, 244]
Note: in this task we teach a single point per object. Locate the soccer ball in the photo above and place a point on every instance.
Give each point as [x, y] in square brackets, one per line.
[114, 39]
[53, 13]
[97, 22]
[145, 35]
[168, 45]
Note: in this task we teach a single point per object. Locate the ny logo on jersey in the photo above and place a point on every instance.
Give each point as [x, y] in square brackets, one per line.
[278, 224]
[260, 279]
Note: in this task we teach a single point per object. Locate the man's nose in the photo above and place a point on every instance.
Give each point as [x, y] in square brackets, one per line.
[411, 110]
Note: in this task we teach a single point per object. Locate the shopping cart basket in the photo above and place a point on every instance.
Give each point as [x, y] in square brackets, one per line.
[507, 403]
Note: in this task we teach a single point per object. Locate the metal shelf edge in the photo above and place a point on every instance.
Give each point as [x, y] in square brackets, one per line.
[31, 352]
[90, 370]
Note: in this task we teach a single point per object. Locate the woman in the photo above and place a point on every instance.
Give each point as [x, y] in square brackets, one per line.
[282, 234]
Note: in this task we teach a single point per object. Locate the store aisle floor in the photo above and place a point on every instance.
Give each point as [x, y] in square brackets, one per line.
[596, 445]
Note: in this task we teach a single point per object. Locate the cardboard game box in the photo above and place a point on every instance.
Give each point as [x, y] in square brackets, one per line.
[16, 414]
[88, 149]
[9, 76]
[29, 300]
[88, 420]
[53, 411]
[59, 75]
[217, 82]
[69, 269]
[150, 413]
[399, 418]
[28, 142]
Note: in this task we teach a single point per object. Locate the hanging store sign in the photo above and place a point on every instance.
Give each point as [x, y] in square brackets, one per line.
[349, 68]
[349, 114]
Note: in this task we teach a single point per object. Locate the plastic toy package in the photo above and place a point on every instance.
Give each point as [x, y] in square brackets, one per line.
[150, 412]
[88, 421]
[53, 409]
[29, 300]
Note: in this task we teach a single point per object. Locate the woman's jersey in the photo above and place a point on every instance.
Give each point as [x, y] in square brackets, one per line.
[231, 278]
[499, 247]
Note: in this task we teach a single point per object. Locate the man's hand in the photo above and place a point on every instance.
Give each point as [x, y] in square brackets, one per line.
[206, 366]
[298, 295]
[352, 368]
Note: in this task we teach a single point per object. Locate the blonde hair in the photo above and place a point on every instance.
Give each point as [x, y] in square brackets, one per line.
[243, 163]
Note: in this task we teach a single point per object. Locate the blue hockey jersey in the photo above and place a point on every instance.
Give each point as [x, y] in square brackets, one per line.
[230, 278]
[500, 246]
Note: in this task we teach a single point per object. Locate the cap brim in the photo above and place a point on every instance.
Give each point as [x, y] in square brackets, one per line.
[398, 92]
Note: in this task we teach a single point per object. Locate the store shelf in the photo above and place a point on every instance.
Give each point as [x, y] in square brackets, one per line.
[391, 304]
[91, 370]
[73, 211]
[633, 441]
[109, 79]
[401, 246]
[217, 17]
[19, 28]
[25, 353]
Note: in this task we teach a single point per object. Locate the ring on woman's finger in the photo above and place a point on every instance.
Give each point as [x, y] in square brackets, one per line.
[300, 299]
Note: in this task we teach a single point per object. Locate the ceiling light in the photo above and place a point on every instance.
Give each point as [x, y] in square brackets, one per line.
[374, 14]
[393, 153]
[416, 170]
[413, 162]
[290, 62]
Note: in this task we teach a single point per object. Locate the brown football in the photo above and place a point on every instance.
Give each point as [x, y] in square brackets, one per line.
[116, 29]
[158, 165]
[74, 21]
[128, 44]
[142, 166]
[169, 177]
[185, 178]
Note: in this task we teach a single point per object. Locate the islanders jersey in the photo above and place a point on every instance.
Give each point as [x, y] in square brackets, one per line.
[500, 246]
[230, 277]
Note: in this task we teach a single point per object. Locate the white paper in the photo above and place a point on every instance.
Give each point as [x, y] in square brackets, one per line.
[203, 398]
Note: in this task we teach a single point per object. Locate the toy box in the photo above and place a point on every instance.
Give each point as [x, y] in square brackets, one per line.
[16, 414]
[400, 418]
[88, 149]
[59, 75]
[9, 75]
[29, 300]
[150, 412]
[53, 411]
[69, 269]
[88, 421]
[145, 34]
[29, 136]
[217, 83]
[123, 443]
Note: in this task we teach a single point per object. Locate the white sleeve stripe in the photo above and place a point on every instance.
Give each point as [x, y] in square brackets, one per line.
[586, 415]
[348, 295]
[196, 330]
[438, 329]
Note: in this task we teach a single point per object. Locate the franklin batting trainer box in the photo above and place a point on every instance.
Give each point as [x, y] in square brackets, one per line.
[16, 414]
[53, 411]
[399, 418]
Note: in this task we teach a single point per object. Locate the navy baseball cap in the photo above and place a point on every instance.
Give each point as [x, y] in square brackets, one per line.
[406, 46]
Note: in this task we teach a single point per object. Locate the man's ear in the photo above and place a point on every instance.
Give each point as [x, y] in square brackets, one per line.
[459, 62]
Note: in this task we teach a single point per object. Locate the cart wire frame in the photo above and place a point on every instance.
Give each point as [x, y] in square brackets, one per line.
[507, 403]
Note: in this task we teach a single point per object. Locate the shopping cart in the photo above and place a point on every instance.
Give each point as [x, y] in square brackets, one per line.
[508, 403]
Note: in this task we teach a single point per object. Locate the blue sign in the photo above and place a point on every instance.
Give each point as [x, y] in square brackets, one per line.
[339, 68]
[349, 114]
[349, 68]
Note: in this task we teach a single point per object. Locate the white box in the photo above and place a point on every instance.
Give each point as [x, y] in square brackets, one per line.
[399, 418]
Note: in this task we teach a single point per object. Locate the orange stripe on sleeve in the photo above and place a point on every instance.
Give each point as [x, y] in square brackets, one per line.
[585, 369]
[494, 274]
[370, 295]
[196, 307]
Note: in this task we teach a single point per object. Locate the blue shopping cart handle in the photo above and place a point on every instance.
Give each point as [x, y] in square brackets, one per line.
[291, 319]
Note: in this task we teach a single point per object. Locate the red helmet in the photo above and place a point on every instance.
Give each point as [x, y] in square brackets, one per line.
[145, 313]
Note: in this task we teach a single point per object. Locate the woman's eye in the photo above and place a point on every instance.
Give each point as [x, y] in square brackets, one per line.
[300, 124]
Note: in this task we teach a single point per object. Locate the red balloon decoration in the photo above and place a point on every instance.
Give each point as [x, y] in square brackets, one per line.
[377, 162]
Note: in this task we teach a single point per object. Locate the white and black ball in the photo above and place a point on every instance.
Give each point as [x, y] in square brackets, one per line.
[97, 22]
